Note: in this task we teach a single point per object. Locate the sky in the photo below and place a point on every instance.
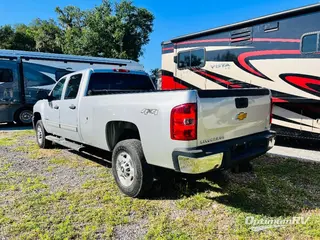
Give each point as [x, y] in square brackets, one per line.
[172, 17]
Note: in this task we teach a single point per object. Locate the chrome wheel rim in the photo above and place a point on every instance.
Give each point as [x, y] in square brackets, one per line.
[125, 169]
[39, 135]
[25, 116]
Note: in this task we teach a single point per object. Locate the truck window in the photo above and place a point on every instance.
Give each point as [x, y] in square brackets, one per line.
[101, 83]
[73, 87]
[309, 43]
[57, 90]
[6, 75]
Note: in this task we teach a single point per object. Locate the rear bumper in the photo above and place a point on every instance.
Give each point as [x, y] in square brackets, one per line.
[223, 154]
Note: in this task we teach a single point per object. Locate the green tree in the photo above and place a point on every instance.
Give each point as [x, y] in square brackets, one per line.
[46, 35]
[16, 38]
[6, 37]
[114, 30]
[117, 30]
[154, 74]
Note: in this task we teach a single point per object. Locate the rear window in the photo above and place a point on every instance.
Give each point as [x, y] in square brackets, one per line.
[102, 83]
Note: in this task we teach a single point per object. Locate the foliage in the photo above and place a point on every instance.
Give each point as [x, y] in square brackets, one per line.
[115, 30]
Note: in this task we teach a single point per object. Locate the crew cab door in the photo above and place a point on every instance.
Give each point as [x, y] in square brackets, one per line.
[52, 110]
[69, 109]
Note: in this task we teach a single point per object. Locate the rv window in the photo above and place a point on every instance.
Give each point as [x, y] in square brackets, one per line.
[309, 43]
[73, 87]
[6, 75]
[57, 91]
[197, 58]
[184, 59]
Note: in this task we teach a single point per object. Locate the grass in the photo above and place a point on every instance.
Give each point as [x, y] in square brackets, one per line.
[32, 206]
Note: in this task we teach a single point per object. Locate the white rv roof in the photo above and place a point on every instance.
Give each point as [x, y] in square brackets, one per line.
[64, 57]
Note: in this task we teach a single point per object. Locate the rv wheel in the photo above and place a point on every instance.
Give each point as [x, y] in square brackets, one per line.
[23, 116]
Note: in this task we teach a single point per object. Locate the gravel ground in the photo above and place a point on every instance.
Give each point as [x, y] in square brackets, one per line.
[58, 194]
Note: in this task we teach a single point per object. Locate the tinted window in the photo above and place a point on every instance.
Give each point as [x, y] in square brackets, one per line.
[57, 91]
[309, 43]
[6, 75]
[184, 60]
[73, 87]
[35, 78]
[101, 83]
[197, 58]
[60, 73]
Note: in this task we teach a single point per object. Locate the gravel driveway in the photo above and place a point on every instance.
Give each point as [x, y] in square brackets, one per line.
[59, 194]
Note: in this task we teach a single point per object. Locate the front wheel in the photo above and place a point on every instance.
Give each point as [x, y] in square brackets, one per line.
[41, 136]
[132, 174]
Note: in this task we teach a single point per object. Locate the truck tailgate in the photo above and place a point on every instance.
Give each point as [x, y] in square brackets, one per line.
[229, 114]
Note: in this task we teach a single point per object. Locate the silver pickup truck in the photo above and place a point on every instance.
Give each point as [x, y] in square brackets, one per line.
[189, 131]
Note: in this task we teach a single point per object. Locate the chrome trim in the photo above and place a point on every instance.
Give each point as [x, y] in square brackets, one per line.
[200, 165]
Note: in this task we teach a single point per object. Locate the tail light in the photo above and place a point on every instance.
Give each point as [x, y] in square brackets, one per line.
[184, 122]
[271, 109]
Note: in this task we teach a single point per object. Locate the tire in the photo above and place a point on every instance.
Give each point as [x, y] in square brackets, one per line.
[131, 172]
[23, 116]
[41, 136]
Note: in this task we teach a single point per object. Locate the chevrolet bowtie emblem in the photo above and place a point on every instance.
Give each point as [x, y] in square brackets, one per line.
[242, 116]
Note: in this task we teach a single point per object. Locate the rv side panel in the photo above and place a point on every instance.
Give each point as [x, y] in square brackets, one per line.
[282, 55]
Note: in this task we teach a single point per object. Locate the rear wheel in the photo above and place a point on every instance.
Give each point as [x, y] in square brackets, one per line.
[132, 174]
[41, 136]
[23, 116]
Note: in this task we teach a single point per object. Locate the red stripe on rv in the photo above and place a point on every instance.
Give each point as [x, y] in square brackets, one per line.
[167, 49]
[288, 40]
[242, 57]
[303, 81]
[218, 79]
[278, 100]
[168, 83]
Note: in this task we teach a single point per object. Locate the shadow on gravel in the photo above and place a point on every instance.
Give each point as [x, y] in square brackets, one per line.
[277, 187]
[96, 155]
[13, 127]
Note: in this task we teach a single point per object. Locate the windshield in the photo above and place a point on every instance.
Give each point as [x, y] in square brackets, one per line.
[106, 82]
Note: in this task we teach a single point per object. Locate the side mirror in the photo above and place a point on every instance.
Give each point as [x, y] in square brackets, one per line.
[49, 98]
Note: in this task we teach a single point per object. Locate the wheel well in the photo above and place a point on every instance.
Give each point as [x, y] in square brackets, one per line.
[117, 131]
[37, 117]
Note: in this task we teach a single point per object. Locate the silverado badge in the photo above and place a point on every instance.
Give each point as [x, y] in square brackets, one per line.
[242, 116]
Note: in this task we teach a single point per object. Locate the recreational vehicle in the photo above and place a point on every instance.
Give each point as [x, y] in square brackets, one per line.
[280, 51]
[26, 76]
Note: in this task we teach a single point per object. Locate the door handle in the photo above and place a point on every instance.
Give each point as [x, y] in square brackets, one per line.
[56, 107]
[72, 107]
